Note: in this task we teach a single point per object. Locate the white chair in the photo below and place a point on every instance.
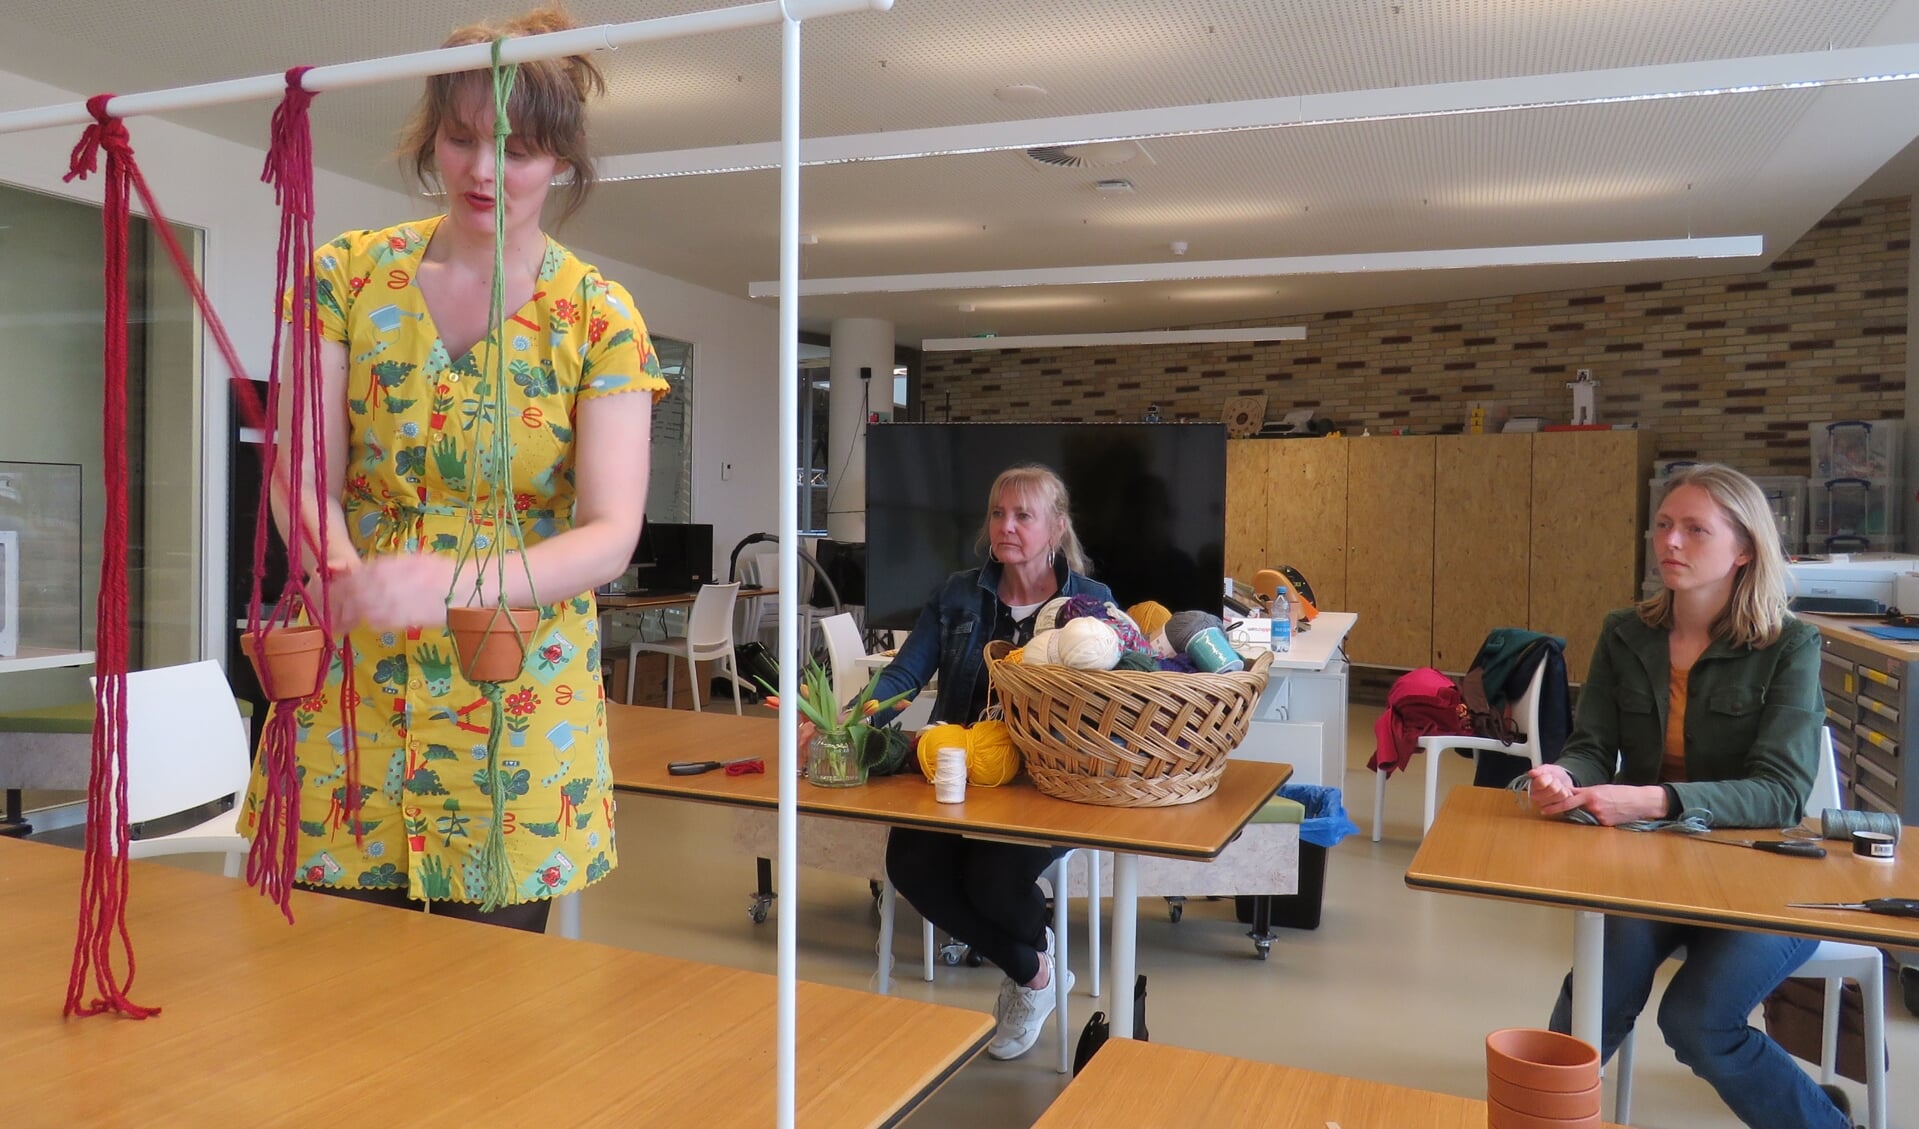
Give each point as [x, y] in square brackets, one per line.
[1525, 714]
[709, 636]
[1056, 878]
[1835, 962]
[844, 649]
[186, 749]
[753, 609]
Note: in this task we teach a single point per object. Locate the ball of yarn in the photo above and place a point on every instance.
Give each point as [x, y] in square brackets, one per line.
[1184, 625]
[1087, 644]
[1137, 660]
[1047, 617]
[1130, 640]
[1041, 649]
[1160, 646]
[991, 759]
[1179, 663]
[1017, 654]
[1149, 616]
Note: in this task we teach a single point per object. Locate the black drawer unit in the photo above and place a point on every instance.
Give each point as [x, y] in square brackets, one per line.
[1870, 701]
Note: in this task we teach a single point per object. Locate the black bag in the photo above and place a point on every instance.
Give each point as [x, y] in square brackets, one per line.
[756, 668]
[1098, 1029]
[1796, 1017]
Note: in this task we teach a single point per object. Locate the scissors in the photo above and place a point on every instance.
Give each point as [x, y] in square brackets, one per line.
[745, 766]
[1891, 907]
[1798, 848]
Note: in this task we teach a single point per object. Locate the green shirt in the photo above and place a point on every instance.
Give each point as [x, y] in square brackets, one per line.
[1752, 721]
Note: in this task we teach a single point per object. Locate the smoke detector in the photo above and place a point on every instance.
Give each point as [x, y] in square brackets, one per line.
[1098, 154]
[1117, 186]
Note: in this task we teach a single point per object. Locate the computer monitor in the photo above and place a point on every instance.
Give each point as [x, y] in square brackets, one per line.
[673, 556]
[844, 563]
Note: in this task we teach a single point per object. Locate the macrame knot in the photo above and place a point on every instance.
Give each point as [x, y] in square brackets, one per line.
[289, 160]
[106, 132]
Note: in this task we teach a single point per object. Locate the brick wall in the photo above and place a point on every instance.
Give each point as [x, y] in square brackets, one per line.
[1728, 368]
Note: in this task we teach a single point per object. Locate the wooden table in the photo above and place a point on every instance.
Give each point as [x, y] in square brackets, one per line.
[1153, 1086]
[362, 1011]
[643, 740]
[1485, 843]
[652, 601]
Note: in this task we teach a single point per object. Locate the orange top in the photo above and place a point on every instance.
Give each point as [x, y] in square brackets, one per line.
[1672, 768]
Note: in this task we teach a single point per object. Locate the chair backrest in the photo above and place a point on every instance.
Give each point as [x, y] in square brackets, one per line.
[1825, 782]
[711, 624]
[186, 740]
[843, 650]
[1526, 709]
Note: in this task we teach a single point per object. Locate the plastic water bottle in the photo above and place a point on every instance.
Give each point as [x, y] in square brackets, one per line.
[1282, 613]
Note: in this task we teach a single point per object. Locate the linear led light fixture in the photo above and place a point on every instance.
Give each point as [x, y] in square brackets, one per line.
[1377, 262]
[1810, 70]
[1142, 337]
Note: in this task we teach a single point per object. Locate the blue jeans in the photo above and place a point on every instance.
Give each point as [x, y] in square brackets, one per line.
[1703, 1014]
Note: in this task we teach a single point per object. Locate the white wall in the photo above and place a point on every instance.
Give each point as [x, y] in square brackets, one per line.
[214, 185]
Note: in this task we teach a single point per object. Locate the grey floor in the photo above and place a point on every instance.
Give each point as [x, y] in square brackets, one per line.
[1394, 985]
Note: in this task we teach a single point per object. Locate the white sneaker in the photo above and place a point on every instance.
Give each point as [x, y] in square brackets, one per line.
[1022, 1014]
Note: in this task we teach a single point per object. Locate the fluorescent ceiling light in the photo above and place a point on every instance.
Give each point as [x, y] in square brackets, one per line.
[1456, 258]
[1810, 70]
[1146, 337]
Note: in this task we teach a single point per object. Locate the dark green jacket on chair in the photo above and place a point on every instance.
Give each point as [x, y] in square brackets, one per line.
[1752, 721]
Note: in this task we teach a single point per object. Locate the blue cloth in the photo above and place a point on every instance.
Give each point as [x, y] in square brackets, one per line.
[1703, 1014]
[960, 617]
[1896, 634]
[1326, 822]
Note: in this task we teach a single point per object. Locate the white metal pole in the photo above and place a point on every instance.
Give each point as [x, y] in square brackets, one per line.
[786, 1019]
[419, 64]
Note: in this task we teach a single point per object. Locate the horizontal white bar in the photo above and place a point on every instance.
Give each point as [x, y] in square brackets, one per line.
[1144, 337]
[1452, 258]
[444, 60]
[1803, 71]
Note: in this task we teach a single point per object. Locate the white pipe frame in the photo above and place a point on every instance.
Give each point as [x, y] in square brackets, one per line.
[608, 37]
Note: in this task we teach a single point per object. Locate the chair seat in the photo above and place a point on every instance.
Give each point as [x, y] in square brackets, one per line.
[217, 836]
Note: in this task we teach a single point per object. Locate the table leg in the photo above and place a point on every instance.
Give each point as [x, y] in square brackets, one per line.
[15, 824]
[1589, 949]
[1125, 934]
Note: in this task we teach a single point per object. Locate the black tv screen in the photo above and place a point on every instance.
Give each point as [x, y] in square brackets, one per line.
[673, 556]
[1148, 503]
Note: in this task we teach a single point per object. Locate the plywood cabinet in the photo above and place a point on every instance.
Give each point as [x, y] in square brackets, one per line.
[1436, 540]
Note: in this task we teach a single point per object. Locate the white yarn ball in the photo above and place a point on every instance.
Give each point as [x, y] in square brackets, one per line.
[1047, 617]
[1160, 646]
[1087, 644]
[1117, 614]
[1040, 650]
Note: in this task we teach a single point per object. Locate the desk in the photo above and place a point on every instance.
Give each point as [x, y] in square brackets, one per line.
[261, 1024]
[653, 601]
[1485, 844]
[1300, 717]
[1154, 1086]
[642, 740]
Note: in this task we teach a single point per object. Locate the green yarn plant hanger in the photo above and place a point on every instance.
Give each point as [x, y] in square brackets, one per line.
[489, 506]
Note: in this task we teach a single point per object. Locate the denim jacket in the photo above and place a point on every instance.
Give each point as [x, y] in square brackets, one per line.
[951, 635]
[1752, 721]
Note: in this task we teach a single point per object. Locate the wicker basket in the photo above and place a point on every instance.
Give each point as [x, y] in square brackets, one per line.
[1122, 738]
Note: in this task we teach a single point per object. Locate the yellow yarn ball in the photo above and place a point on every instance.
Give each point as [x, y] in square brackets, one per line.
[991, 759]
[1150, 616]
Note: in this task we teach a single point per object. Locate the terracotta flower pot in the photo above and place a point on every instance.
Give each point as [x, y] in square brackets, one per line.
[1542, 1060]
[492, 642]
[1500, 1117]
[1542, 1103]
[290, 662]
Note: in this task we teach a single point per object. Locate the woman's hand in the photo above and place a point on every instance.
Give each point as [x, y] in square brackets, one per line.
[1552, 790]
[1614, 804]
[396, 591]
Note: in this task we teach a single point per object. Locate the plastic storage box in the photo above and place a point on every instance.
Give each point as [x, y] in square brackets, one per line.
[1786, 496]
[1856, 448]
[1851, 507]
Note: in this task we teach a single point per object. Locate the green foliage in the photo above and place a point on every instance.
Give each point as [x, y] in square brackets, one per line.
[543, 830]
[385, 876]
[425, 782]
[435, 882]
[598, 868]
[391, 374]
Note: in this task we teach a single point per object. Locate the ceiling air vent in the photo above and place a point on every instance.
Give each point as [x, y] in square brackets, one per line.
[1096, 154]
[1115, 185]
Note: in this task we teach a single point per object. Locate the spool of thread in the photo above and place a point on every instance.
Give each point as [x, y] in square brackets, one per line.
[1212, 653]
[1266, 584]
[949, 775]
[1875, 845]
[1184, 625]
[1840, 823]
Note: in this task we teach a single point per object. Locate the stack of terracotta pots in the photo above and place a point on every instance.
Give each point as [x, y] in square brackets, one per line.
[1540, 1080]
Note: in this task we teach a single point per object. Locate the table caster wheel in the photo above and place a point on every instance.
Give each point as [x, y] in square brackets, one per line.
[1175, 911]
[952, 953]
[1263, 948]
[973, 959]
[757, 906]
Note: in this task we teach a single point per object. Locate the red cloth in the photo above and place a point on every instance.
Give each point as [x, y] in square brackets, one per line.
[1422, 703]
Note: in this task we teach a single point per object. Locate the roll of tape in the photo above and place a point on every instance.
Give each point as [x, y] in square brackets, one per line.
[1876, 845]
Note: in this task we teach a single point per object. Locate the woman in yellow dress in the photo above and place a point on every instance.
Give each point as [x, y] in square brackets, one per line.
[406, 357]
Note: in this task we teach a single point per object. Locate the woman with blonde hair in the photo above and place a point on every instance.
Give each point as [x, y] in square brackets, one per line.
[1703, 699]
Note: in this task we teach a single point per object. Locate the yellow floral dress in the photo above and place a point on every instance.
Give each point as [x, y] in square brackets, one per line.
[426, 805]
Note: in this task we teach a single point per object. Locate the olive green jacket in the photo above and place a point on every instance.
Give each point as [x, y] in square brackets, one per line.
[1752, 721]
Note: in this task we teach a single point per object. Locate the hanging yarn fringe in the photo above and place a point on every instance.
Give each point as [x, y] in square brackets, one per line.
[104, 883]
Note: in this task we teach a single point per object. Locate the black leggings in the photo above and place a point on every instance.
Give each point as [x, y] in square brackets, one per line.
[983, 893]
[528, 917]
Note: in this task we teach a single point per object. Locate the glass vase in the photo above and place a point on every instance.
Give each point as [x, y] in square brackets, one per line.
[833, 761]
